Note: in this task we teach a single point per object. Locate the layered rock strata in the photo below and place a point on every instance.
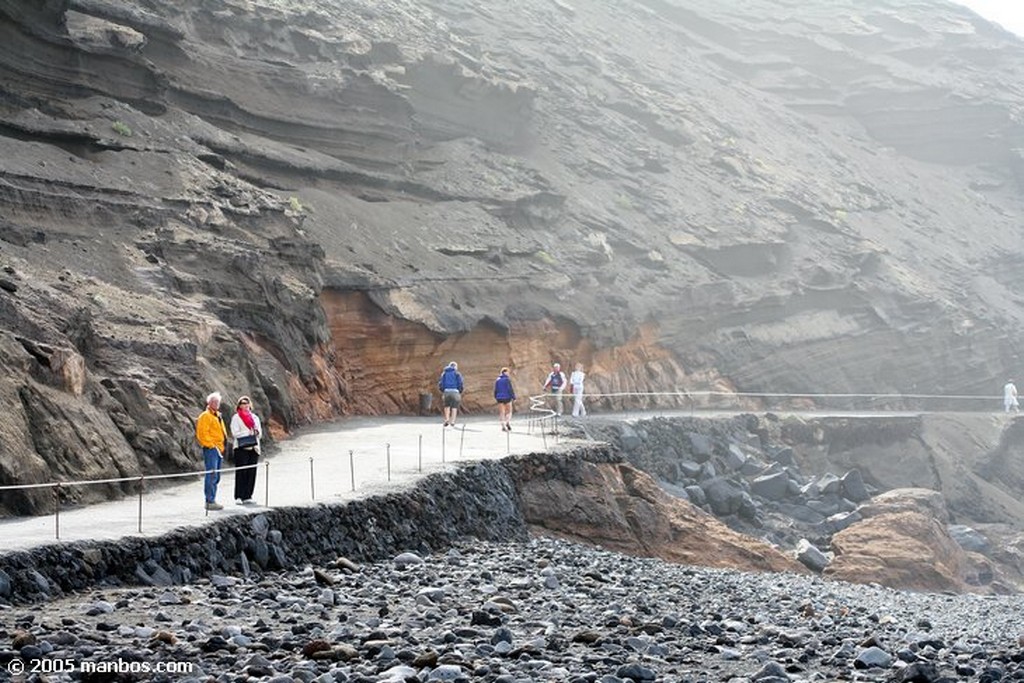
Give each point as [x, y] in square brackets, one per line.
[318, 204]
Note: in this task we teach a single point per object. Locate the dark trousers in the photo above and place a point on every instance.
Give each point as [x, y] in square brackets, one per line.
[245, 480]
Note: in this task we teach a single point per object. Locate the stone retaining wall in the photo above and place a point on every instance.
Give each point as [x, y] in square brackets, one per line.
[478, 500]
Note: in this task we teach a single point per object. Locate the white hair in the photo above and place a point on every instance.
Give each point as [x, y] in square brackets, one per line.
[215, 396]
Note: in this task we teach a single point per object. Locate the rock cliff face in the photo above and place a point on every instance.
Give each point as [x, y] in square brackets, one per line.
[319, 203]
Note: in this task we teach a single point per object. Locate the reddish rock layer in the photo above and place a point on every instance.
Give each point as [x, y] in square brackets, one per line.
[387, 362]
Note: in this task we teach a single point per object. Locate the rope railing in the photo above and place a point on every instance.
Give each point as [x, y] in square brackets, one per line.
[543, 412]
[328, 474]
[539, 404]
[757, 394]
[119, 480]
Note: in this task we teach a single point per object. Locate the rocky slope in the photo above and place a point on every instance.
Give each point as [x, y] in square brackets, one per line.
[621, 508]
[922, 503]
[320, 203]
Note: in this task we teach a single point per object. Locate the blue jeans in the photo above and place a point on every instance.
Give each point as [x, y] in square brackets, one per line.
[211, 462]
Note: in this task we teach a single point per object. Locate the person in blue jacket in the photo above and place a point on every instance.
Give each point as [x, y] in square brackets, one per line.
[450, 385]
[504, 394]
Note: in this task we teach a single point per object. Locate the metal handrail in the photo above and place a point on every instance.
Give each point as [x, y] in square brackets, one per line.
[414, 461]
[540, 415]
[537, 406]
[540, 398]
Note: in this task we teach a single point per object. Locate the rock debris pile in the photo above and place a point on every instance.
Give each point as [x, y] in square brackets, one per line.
[908, 502]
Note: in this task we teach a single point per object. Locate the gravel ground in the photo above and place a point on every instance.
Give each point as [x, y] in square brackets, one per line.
[545, 610]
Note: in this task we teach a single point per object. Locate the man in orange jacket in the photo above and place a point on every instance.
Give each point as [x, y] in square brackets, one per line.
[210, 433]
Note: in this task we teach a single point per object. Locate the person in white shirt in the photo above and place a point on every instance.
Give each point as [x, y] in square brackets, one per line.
[246, 431]
[576, 384]
[1010, 397]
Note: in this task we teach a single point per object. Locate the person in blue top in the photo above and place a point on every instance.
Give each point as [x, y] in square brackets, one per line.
[504, 394]
[450, 385]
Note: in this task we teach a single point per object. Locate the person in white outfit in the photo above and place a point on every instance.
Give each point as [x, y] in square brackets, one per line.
[1010, 397]
[246, 431]
[576, 384]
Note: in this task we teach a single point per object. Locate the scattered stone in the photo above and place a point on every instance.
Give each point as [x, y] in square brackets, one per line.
[607, 622]
[810, 556]
[20, 639]
[407, 559]
[734, 458]
[969, 539]
[322, 577]
[852, 487]
[872, 658]
[346, 564]
[771, 486]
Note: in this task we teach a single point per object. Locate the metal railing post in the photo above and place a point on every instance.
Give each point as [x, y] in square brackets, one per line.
[142, 487]
[312, 484]
[352, 468]
[266, 483]
[421, 454]
[462, 440]
[56, 510]
[444, 433]
[388, 448]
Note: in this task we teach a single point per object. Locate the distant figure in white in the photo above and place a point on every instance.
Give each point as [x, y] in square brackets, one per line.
[1010, 397]
[576, 386]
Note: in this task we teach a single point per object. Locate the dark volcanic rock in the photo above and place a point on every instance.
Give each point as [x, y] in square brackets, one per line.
[973, 467]
[611, 618]
[478, 499]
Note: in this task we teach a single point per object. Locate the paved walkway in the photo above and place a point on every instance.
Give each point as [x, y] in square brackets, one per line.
[312, 468]
[315, 467]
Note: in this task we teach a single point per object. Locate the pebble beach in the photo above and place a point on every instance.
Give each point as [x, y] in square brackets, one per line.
[543, 610]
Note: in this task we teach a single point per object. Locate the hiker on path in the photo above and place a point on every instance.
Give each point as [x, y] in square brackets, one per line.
[1010, 397]
[246, 430]
[576, 387]
[504, 394]
[555, 383]
[210, 433]
[451, 388]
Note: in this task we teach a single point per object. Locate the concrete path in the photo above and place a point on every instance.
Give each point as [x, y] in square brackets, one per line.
[315, 467]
